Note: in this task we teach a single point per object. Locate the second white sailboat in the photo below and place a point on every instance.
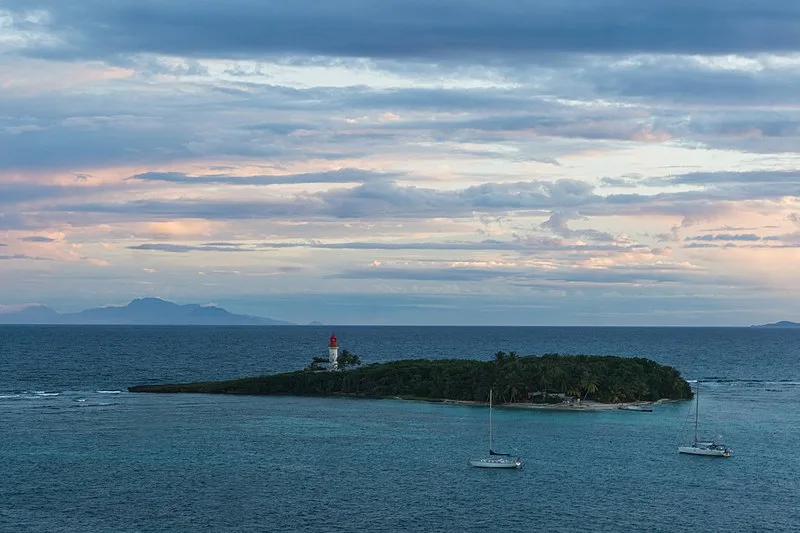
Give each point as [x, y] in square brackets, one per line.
[495, 460]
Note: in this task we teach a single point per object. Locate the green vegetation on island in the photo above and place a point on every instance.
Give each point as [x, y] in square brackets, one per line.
[345, 360]
[515, 379]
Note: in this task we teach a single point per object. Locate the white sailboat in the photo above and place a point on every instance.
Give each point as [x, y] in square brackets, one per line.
[698, 447]
[495, 460]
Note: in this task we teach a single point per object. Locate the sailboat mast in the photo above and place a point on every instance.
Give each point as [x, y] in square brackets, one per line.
[490, 420]
[696, 410]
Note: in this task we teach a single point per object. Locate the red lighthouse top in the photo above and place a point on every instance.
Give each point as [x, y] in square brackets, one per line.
[333, 343]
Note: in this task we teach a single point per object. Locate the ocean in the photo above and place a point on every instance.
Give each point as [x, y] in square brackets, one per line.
[80, 454]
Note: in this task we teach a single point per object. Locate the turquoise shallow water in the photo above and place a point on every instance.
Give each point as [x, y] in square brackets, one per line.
[76, 459]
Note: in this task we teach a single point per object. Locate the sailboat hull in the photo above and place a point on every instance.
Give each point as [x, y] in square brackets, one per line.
[492, 462]
[709, 452]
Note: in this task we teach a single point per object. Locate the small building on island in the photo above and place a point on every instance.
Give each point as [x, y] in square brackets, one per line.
[333, 353]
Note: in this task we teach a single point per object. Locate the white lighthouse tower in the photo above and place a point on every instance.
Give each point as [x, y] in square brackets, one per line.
[333, 353]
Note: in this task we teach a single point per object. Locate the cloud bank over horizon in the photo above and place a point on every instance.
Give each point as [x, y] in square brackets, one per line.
[469, 162]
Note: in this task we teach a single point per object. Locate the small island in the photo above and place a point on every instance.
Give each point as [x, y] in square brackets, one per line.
[551, 380]
[781, 324]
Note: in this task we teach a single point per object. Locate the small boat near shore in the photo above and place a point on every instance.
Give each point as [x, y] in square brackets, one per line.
[639, 408]
[495, 459]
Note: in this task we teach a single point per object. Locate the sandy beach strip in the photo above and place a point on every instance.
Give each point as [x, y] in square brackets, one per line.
[586, 406]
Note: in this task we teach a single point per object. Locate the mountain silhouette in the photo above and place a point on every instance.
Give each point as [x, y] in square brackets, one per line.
[781, 324]
[143, 311]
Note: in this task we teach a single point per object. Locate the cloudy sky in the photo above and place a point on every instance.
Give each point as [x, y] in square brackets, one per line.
[403, 161]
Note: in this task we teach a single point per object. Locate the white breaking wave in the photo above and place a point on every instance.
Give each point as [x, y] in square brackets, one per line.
[745, 382]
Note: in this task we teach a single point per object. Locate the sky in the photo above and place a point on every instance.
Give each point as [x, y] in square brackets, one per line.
[503, 162]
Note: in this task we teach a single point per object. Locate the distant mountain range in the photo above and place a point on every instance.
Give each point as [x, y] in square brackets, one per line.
[781, 324]
[143, 311]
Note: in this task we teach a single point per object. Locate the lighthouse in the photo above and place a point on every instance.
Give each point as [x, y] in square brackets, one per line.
[333, 353]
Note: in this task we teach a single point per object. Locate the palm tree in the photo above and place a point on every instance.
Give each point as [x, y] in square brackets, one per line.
[574, 391]
[515, 387]
[346, 359]
[558, 378]
[317, 363]
[617, 395]
[588, 384]
[544, 381]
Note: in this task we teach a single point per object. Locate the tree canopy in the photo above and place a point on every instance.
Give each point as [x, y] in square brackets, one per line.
[514, 378]
[345, 360]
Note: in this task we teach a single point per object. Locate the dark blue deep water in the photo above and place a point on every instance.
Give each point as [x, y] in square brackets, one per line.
[79, 454]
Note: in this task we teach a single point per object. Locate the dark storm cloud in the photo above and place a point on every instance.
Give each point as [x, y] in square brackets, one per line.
[751, 123]
[758, 126]
[346, 175]
[716, 187]
[519, 245]
[791, 177]
[207, 209]
[489, 244]
[37, 238]
[488, 112]
[725, 237]
[63, 138]
[439, 99]
[21, 192]
[743, 240]
[184, 248]
[674, 82]
[129, 123]
[560, 200]
[68, 146]
[26, 257]
[570, 124]
[625, 182]
[390, 199]
[249, 95]
[369, 200]
[653, 274]
[557, 223]
[429, 274]
[132, 124]
[701, 245]
[620, 275]
[13, 221]
[473, 29]
[682, 80]
[763, 246]
[282, 128]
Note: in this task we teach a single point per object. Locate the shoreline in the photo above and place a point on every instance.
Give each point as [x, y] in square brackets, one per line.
[587, 406]
[583, 406]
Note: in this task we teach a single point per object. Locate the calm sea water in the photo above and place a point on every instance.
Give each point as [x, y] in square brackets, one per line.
[77, 453]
